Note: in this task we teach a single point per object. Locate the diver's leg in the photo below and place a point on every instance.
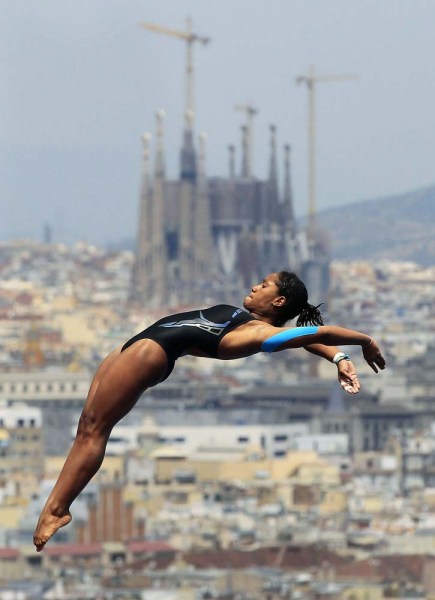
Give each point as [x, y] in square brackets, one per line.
[117, 385]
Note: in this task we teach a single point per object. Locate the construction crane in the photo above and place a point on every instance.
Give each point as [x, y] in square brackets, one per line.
[248, 158]
[311, 80]
[190, 38]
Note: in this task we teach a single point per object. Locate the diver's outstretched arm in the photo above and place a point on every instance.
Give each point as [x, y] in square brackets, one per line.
[329, 335]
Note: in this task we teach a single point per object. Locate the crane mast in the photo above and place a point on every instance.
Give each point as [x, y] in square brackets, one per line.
[310, 80]
[190, 38]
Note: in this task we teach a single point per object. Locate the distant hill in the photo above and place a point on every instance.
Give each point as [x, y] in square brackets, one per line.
[397, 227]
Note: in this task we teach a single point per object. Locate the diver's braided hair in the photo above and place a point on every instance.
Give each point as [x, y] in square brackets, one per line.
[290, 286]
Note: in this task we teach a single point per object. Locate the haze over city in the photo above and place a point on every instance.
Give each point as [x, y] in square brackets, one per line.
[82, 83]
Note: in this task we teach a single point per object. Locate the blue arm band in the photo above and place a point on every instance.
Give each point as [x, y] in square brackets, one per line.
[276, 340]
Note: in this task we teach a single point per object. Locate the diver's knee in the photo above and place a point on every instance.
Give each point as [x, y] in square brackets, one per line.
[88, 426]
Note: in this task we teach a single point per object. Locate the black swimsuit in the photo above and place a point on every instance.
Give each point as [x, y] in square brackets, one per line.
[198, 329]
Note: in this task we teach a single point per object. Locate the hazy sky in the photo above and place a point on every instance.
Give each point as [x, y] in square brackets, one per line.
[81, 82]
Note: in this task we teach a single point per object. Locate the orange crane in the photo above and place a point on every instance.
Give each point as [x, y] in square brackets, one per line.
[311, 80]
[190, 38]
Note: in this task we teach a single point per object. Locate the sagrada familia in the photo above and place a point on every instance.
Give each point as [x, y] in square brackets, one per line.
[205, 238]
[209, 239]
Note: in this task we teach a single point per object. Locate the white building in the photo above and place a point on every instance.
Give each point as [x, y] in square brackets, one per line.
[275, 440]
[45, 388]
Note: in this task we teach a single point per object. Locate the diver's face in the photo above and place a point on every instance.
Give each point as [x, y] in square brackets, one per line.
[263, 295]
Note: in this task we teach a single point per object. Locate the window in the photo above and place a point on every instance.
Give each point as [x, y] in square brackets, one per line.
[280, 438]
[242, 439]
[279, 453]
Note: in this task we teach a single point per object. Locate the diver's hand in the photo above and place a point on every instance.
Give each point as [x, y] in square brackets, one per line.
[373, 356]
[347, 377]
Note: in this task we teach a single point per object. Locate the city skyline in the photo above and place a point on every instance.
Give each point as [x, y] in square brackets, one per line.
[83, 83]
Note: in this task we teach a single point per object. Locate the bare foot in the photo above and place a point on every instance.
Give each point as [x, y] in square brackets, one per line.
[47, 526]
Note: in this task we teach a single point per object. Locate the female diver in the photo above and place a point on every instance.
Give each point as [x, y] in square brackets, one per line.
[223, 332]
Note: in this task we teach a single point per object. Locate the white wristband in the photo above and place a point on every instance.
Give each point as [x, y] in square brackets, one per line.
[339, 356]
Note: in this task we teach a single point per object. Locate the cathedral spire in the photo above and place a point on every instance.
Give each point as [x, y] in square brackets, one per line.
[202, 248]
[188, 155]
[140, 273]
[158, 240]
[245, 152]
[231, 161]
[273, 177]
[273, 166]
[289, 215]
